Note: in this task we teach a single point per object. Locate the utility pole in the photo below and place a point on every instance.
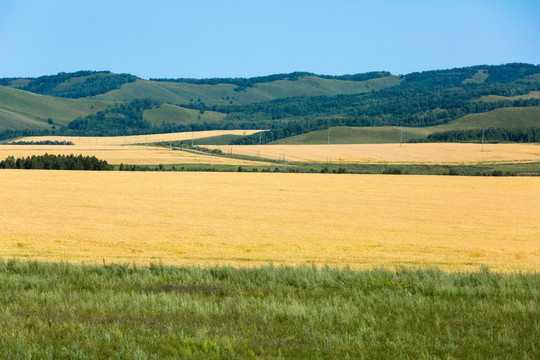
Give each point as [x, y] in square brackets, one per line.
[329, 135]
[401, 137]
[482, 139]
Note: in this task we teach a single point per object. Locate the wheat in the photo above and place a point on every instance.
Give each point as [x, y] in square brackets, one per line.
[430, 153]
[129, 154]
[457, 223]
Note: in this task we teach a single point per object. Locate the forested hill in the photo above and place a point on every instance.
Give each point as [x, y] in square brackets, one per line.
[102, 103]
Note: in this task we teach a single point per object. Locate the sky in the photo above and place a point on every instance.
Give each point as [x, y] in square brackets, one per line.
[241, 38]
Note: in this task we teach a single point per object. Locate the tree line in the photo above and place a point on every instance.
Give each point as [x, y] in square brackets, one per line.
[493, 135]
[55, 162]
[250, 82]
[43, 142]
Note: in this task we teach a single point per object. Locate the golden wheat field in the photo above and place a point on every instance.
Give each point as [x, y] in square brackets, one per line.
[87, 141]
[129, 154]
[427, 153]
[246, 219]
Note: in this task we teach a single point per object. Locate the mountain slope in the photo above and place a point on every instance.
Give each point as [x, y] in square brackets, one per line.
[286, 104]
[225, 94]
[22, 109]
[505, 118]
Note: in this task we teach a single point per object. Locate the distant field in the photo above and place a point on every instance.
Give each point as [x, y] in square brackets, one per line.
[500, 118]
[138, 139]
[456, 223]
[430, 153]
[356, 135]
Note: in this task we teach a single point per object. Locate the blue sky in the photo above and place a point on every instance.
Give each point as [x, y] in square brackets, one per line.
[165, 38]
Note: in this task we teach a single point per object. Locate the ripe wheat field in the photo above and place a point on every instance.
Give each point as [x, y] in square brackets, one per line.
[425, 153]
[128, 154]
[247, 219]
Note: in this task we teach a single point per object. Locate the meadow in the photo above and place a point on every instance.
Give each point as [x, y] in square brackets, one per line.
[62, 311]
[248, 219]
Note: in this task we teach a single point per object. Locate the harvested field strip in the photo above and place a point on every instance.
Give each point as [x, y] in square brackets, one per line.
[138, 139]
[243, 219]
[432, 153]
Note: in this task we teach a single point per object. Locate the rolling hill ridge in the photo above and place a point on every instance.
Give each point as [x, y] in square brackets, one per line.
[286, 104]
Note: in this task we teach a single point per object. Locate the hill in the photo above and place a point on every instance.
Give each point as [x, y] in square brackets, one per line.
[286, 104]
[25, 110]
[71, 85]
[167, 113]
[230, 94]
[504, 118]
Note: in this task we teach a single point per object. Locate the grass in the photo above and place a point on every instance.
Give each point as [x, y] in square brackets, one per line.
[223, 94]
[244, 219]
[21, 109]
[478, 78]
[179, 115]
[217, 140]
[61, 311]
[499, 118]
[356, 135]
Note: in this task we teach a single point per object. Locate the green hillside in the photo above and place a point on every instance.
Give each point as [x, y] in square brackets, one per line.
[356, 135]
[71, 85]
[22, 110]
[225, 94]
[287, 105]
[179, 115]
[505, 118]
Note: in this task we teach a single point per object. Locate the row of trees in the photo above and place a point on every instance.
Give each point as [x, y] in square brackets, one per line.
[43, 142]
[55, 162]
[243, 83]
[521, 135]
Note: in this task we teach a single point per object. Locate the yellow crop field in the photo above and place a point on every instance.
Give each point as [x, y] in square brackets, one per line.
[246, 219]
[138, 139]
[129, 154]
[428, 153]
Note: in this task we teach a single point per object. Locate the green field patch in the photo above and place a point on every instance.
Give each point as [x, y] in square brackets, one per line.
[57, 310]
[172, 114]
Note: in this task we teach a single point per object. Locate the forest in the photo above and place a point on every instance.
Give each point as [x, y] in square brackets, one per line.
[96, 82]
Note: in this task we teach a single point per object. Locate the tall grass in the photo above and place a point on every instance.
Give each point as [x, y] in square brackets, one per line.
[57, 310]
